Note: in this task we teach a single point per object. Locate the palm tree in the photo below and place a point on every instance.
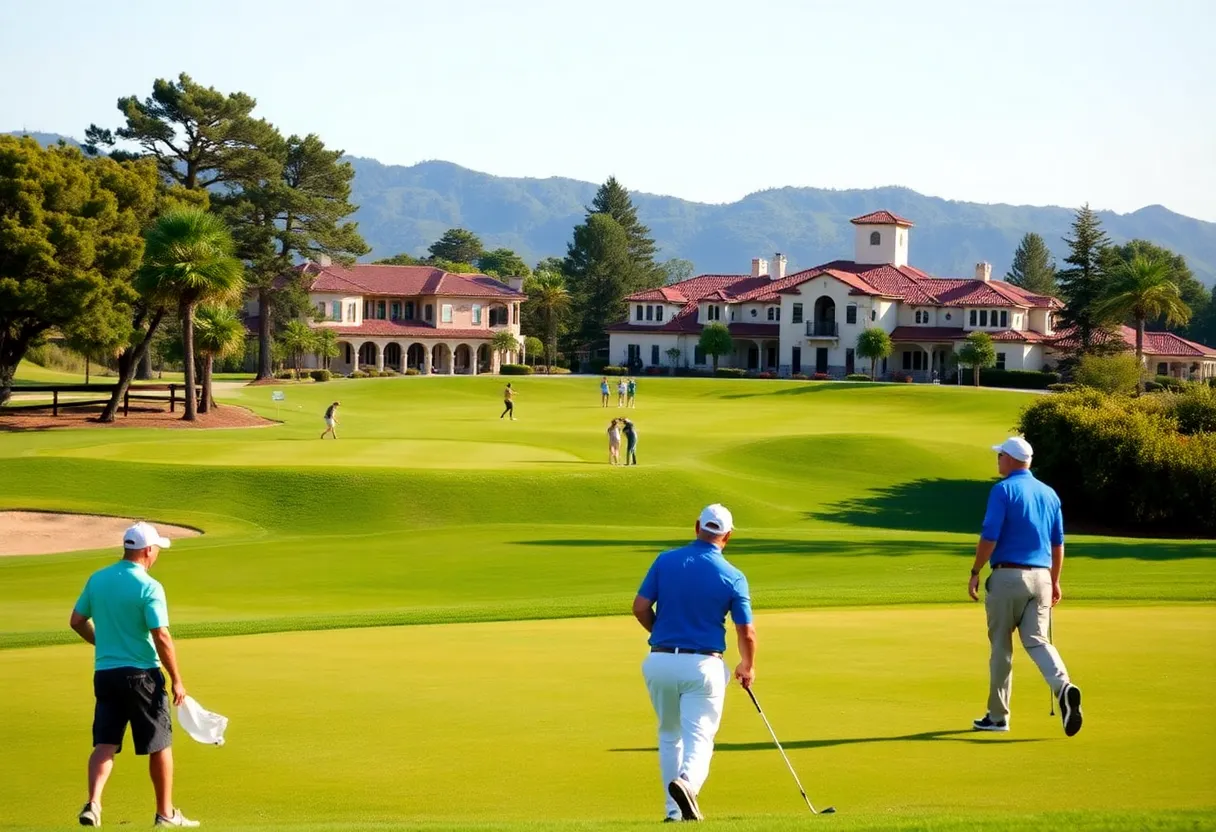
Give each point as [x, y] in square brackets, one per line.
[547, 293]
[188, 260]
[298, 338]
[218, 333]
[325, 343]
[1143, 289]
[502, 343]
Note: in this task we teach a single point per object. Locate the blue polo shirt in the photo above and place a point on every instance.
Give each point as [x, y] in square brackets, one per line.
[1024, 519]
[693, 588]
[126, 604]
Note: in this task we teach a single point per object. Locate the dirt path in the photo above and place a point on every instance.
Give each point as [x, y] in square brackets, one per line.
[45, 533]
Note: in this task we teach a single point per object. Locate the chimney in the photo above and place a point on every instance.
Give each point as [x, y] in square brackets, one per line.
[778, 271]
[759, 267]
[983, 271]
[324, 261]
[516, 284]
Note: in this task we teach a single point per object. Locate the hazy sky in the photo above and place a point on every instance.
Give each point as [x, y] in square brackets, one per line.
[1062, 102]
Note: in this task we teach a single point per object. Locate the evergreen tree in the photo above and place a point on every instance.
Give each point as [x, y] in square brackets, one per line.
[600, 274]
[402, 259]
[1082, 285]
[457, 245]
[613, 199]
[503, 263]
[1033, 268]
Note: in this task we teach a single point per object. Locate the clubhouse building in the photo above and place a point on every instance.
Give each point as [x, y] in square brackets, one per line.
[809, 321]
[411, 317]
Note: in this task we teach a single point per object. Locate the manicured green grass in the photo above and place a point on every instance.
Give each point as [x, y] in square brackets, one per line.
[429, 510]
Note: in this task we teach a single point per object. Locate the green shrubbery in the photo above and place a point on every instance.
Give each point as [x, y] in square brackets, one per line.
[730, 372]
[551, 371]
[413, 371]
[321, 375]
[857, 377]
[359, 374]
[55, 357]
[1018, 379]
[515, 370]
[1148, 462]
[613, 370]
[1108, 373]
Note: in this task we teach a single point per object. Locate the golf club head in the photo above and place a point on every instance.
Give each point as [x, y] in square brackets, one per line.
[831, 810]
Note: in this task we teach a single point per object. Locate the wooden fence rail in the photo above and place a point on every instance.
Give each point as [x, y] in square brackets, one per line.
[142, 392]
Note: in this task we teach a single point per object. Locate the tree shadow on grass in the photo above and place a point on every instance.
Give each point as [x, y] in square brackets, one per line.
[808, 388]
[925, 736]
[957, 507]
[745, 547]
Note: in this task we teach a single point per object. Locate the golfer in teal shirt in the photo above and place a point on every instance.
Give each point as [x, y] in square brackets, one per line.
[122, 612]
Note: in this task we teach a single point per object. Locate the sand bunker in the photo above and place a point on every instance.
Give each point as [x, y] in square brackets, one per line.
[45, 533]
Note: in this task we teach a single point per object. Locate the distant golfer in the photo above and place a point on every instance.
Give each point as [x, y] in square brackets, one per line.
[122, 611]
[631, 442]
[631, 392]
[683, 603]
[604, 391]
[621, 389]
[614, 442]
[508, 398]
[331, 421]
[1023, 539]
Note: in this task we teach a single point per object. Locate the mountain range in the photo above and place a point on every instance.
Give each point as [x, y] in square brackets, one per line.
[406, 208]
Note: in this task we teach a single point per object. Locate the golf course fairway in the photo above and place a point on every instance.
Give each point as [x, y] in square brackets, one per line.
[515, 700]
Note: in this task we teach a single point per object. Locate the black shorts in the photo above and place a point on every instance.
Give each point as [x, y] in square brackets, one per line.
[132, 695]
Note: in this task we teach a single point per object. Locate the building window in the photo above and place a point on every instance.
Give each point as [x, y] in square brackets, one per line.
[875, 238]
[916, 360]
[321, 309]
[698, 356]
[713, 313]
[873, 314]
[639, 315]
[650, 313]
[352, 312]
[428, 312]
[395, 312]
[974, 317]
[477, 314]
[380, 310]
[635, 355]
[1000, 360]
[658, 313]
[369, 309]
[654, 355]
[1163, 369]
[771, 316]
[983, 317]
[850, 314]
[336, 311]
[445, 313]
[350, 353]
[409, 310]
[1004, 319]
[796, 317]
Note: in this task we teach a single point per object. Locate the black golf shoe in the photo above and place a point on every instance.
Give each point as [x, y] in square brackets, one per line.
[986, 724]
[1070, 708]
[681, 792]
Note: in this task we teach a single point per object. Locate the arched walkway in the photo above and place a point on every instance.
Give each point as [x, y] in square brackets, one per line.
[369, 354]
[484, 361]
[825, 317]
[463, 358]
[392, 357]
[441, 359]
[345, 362]
[415, 358]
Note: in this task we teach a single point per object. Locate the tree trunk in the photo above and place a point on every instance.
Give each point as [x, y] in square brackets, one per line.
[1140, 355]
[86, 369]
[715, 358]
[873, 368]
[191, 413]
[144, 373]
[265, 369]
[207, 403]
[976, 370]
[7, 371]
[127, 362]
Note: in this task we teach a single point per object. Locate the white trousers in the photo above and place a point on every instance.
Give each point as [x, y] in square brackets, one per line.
[687, 692]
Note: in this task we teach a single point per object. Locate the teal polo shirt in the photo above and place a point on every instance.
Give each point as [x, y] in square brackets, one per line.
[126, 604]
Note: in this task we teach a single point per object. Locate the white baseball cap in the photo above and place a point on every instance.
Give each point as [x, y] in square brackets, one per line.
[1016, 447]
[142, 535]
[716, 519]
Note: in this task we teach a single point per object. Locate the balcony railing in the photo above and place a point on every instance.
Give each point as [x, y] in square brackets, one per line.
[822, 329]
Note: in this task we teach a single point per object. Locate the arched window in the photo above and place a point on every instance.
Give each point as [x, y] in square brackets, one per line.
[875, 238]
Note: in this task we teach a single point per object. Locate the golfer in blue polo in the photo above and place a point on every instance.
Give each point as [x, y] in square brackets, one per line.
[683, 603]
[1023, 541]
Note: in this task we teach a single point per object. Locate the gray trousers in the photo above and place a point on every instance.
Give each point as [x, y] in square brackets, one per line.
[1019, 599]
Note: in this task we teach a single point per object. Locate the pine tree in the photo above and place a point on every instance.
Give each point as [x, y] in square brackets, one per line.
[1033, 268]
[1082, 285]
[613, 199]
[600, 274]
[457, 245]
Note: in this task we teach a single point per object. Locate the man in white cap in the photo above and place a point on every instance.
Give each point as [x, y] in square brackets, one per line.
[683, 603]
[122, 612]
[1023, 540]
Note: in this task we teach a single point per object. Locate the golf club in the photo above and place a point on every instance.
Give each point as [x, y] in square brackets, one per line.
[830, 810]
[1050, 640]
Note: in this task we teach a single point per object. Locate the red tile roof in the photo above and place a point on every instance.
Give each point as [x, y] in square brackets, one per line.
[377, 328]
[945, 333]
[881, 218]
[684, 321]
[1165, 344]
[402, 281]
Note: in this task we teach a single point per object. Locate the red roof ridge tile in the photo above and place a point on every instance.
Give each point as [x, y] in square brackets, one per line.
[881, 218]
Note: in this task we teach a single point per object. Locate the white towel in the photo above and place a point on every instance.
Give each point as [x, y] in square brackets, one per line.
[200, 723]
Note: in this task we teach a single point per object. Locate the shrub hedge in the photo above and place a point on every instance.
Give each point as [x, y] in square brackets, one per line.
[551, 371]
[613, 370]
[412, 371]
[857, 377]
[730, 372]
[321, 375]
[359, 374]
[515, 370]
[1148, 461]
[1019, 379]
